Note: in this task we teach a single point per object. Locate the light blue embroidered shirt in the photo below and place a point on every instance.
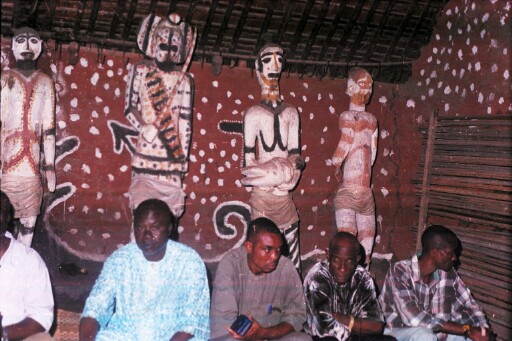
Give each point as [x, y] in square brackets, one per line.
[152, 300]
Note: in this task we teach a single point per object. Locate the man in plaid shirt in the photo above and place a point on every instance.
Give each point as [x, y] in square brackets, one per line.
[424, 298]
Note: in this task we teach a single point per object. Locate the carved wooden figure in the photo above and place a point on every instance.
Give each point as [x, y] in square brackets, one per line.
[354, 158]
[159, 102]
[272, 151]
[27, 125]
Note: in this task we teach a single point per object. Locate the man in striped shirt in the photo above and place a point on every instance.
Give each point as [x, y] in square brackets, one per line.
[424, 298]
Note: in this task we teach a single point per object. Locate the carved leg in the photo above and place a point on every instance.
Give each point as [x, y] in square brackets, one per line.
[291, 234]
[26, 232]
[366, 235]
[346, 221]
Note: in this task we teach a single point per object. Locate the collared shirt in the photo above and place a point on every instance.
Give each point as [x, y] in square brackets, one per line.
[25, 288]
[270, 298]
[324, 297]
[135, 299]
[409, 302]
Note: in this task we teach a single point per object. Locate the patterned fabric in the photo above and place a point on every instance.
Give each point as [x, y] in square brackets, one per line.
[270, 298]
[409, 302]
[151, 300]
[325, 297]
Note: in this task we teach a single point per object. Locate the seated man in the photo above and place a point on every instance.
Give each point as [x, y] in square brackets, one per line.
[26, 300]
[153, 289]
[340, 296]
[424, 299]
[256, 281]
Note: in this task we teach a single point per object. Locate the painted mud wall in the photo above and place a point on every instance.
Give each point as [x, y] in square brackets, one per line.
[89, 215]
[463, 70]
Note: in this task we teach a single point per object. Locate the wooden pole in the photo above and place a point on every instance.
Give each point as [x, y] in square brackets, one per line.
[429, 153]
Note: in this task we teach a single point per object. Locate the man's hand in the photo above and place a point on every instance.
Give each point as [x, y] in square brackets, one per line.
[480, 334]
[252, 334]
[50, 179]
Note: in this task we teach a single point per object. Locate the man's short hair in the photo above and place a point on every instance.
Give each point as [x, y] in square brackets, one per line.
[155, 205]
[333, 244]
[260, 225]
[438, 237]
[6, 211]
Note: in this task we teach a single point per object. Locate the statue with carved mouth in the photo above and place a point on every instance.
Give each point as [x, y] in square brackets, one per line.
[353, 158]
[27, 132]
[273, 164]
[159, 103]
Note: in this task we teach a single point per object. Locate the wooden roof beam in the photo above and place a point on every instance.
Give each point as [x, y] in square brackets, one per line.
[208, 23]
[266, 23]
[240, 25]
[302, 24]
[348, 30]
[400, 31]
[417, 27]
[333, 28]
[121, 5]
[378, 33]
[129, 19]
[316, 28]
[362, 31]
[225, 22]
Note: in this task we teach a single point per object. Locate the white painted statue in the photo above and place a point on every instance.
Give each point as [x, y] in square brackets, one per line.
[272, 151]
[159, 103]
[354, 157]
[27, 125]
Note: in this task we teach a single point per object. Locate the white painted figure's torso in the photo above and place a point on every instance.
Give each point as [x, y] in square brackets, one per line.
[358, 144]
[27, 110]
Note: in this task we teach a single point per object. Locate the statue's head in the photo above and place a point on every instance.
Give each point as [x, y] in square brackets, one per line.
[359, 85]
[168, 39]
[26, 44]
[269, 64]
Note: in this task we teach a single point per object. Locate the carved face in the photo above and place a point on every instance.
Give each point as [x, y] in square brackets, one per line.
[169, 43]
[359, 86]
[26, 45]
[270, 63]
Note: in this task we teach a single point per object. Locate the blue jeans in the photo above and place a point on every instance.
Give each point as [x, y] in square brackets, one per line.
[418, 334]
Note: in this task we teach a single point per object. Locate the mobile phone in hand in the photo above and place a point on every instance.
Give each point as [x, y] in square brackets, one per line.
[241, 325]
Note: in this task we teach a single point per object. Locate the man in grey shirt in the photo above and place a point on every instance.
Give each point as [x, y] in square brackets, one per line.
[256, 281]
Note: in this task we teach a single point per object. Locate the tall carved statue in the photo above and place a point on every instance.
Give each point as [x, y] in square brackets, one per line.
[354, 158]
[272, 151]
[159, 102]
[27, 125]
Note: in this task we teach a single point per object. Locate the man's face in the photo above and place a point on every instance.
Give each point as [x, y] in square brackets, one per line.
[343, 260]
[26, 46]
[445, 258]
[263, 254]
[151, 234]
[271, 63]
[169, 45]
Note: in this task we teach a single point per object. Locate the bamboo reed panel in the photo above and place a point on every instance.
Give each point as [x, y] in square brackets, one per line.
[470, 182]
[469, 219]
[429, 153]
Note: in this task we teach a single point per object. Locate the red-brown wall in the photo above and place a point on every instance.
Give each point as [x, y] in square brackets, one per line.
[89, 213]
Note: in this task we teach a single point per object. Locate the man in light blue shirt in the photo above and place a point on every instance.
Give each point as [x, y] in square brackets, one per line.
[153, 289]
